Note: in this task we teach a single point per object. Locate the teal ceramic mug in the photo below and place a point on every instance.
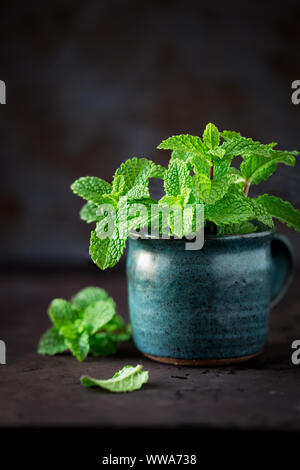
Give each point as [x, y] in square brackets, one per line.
[210, 306]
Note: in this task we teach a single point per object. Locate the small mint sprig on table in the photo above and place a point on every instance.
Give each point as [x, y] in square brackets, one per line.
[127, 379]
[89, 323]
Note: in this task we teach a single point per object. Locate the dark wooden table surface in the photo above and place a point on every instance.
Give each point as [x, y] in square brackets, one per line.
[45, 391]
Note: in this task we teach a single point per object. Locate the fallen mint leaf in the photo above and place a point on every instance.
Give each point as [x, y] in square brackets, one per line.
[126, 380]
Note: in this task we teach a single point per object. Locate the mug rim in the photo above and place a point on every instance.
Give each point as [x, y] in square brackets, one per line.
[258, 234]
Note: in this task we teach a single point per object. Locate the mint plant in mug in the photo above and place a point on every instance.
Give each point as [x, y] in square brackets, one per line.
[200, 172]
[199, 307]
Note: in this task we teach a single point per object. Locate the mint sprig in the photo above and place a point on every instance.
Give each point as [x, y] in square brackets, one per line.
[87, 323]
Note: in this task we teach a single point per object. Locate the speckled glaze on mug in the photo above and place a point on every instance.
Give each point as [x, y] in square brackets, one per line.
[206, 307]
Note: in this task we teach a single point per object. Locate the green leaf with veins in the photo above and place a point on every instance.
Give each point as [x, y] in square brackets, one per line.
[88, 212]
[177, 178]
[169, 201]
[61, 312]
[137, 171]
[79, 345]
[210, 191]
[198, 164]
[231, 135]
[236, 145]
[187, 143]
[91, 188]
[87, 296]
[235, 175]
[256, 168]
[217, 154]
[139, 191]
[71, 330]
[182, 155]
[281, 210]
[261, 213]
[234, 207]
[222, 170]
[52, 342]
[131, 215]
[118, 185]
[237, 229]
[127, 379]
[211, 136]
[179, 201]
[106, 253]
[96, 315]
[116, 323]
[202, 166]
[158, 171]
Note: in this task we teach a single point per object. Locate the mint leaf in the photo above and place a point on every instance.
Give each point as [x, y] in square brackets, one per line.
[187, 143]
[91, 188]
[237, 229]
[198, 164]
[217, 154]
[97, 314]
[211, 136]
[179, 201]
[61, 312]
[236, 145]
[71, 330]
[234, 207]
[158, 171]
[231, 135]
[87, 296]
[126, 380]
[182, 155]
[52, 342]
[257, 168]
[281, 210]
[106, 253]
[116, 323]
[235, 175]
[103, 344]
[210, 191]
[134, 214]
[222, 170]
[139, 191]
[79, 345]
[88, 212]
[177, 178]
[169, 201]
[137, 171]
[261, 213]
[118, 185]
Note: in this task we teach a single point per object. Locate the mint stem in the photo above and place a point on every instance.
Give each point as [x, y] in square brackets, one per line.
[211, 172]
[246, 189]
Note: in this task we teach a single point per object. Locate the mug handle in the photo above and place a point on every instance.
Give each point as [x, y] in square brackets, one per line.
[283, 267]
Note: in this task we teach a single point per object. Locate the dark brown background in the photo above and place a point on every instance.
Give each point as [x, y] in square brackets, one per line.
[90, 84]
